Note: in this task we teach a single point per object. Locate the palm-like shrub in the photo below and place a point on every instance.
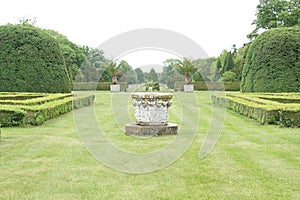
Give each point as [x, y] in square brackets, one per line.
[186, 67]
[114, 68]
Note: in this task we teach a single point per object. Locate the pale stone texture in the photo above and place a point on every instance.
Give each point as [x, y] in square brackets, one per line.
[151, 108]
[137, 130]
[151, 113]
[115, 88]
[188, 88]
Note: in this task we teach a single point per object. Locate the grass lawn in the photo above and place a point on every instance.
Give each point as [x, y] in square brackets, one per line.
[249, 161]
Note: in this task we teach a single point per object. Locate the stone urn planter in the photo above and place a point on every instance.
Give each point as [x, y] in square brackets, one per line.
[151, 114]
[189, 88]
[115, 88]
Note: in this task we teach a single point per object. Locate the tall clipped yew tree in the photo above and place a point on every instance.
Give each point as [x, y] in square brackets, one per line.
[273, 62]
[31, 61]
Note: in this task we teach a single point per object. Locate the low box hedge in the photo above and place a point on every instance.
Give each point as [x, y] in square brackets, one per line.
[263, 109]
[32, 100]
[12, 117]
[36, 111]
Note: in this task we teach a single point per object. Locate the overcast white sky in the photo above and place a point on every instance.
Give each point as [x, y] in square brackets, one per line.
[213, 24]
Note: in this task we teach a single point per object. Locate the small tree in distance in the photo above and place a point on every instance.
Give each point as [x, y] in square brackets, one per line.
[185, 67]
[114, 68]
[140, 75]
[152, 75]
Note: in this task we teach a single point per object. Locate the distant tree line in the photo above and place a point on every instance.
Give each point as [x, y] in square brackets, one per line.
[87, 64]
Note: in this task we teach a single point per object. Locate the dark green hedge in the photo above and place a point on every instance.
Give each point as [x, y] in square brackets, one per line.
[11, 117]
[31, 61]
[234, 86]
[85, 86]
[273, 62]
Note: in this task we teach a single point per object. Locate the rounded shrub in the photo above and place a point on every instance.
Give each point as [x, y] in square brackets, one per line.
[273, 62]
[31, 61]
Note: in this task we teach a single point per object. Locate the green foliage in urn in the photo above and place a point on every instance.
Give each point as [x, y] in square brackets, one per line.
[152, 86]
[113, 68]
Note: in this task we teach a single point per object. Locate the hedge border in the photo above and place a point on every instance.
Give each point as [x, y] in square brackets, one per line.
[216, 86]
[262, 110]
[86, 86]
[46, 107]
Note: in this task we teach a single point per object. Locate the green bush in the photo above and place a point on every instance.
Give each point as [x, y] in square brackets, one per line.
[229, 76]
[30, 98]
[11, 117]
[31, 61]
[273, 62]
[85, 86]
[154, 85]
[37, 115]
[263, 108]
[202, 85]
[34, 111]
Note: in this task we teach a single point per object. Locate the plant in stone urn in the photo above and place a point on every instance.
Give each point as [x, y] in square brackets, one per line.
[114, 68]
[186, 67]
[152, 86]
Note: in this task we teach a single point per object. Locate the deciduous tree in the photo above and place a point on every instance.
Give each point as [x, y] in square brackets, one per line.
[276, 13]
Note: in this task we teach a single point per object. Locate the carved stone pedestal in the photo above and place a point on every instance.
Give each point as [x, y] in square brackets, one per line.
[151, 114]
[189, 88]
[152, 130]
[115, 88]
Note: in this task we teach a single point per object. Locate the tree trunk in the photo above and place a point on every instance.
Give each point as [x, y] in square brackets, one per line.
[187, 79]
[114, 79]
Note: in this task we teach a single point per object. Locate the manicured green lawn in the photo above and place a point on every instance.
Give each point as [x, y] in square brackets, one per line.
[249, 161]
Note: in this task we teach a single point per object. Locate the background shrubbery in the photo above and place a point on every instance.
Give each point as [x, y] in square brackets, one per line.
[85, 86]
[228, 86]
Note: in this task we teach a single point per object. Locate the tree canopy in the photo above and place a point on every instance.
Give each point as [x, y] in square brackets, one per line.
[276, 13]
[152, 75]
[140, 75]
[73, 54]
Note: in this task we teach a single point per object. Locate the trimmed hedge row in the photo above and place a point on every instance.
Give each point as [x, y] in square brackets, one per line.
[265, 111]
[85, 86]
[36, 115]
[30, 99]
[36, 111]
[12, 117]
[232, 86]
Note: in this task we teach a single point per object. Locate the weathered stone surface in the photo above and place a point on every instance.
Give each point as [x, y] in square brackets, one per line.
[151, 108]
[151, 114]
[152, 130]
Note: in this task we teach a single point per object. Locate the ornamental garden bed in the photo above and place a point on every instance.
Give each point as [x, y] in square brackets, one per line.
[267, 108]
[17, 109]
